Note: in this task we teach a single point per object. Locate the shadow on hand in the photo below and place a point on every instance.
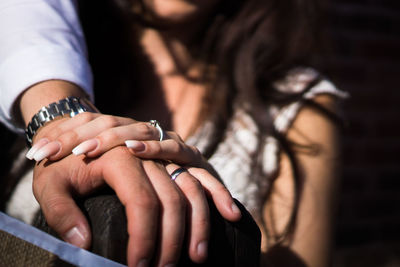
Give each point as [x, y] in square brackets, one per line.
[231, 244]
[282, 256]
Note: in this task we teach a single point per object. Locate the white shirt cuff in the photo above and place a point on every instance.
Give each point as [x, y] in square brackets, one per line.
[36, 64]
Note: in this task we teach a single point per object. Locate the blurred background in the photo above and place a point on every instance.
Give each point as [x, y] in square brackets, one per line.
[366, 63]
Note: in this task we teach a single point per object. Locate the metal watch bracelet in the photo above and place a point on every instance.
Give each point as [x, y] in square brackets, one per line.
[70, 106]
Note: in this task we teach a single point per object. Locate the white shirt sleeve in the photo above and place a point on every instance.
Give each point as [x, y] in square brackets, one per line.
[39, 40]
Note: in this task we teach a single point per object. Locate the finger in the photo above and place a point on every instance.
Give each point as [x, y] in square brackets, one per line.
[40, 138]
[125, 174]
[61, 212]
[183, 154]
[65, 137]
[113, 137]
[39, 144]
[218, 193]
[198, 214]
[170, 149]
[173, 214]
[52, 130]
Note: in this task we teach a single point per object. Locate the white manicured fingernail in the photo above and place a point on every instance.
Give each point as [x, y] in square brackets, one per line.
[40, 143]
[47, 150]
[235, 208]
[202, 249]
[75, 237]
[135, 145]
[85, 147]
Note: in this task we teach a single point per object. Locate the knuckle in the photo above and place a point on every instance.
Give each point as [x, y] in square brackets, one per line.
[50, 130]
[53, 134]
[199, 172]
[193, 186]
[108, 136]
[221, 189]
[174, 247]
[68, 137]
[121, 149]
[145, 130]
[85, 117]
[174, 146]
[115, 154]
[156, 149]
[109, 121]
[203, 222]
[147, 201]
[128, 121]
[55, 208]
[176, 200]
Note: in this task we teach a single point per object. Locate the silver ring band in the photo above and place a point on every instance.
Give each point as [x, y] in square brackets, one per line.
[176, 173]
[155, 124]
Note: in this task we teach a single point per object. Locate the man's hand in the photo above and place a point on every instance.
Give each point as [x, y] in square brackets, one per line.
[157, 210]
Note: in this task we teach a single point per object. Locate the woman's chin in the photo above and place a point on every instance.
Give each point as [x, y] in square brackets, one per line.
[174, 16]
[173, 12]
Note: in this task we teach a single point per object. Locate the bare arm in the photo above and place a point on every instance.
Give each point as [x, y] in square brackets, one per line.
[312, 238]
[44, 93]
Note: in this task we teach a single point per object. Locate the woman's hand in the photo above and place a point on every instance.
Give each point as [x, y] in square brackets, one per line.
[56, 139]
[93, 134]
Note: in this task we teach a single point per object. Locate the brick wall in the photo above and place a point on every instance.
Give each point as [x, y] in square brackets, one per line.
[366, 63]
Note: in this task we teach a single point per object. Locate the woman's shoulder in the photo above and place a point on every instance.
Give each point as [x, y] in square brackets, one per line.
[299, 79]
[309, 84]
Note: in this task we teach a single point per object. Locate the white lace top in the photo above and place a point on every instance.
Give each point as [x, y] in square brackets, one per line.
[234, 157]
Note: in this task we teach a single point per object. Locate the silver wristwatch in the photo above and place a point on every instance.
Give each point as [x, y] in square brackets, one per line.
[70, 106]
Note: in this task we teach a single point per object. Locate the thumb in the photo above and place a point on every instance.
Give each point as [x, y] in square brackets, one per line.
[63, 216]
